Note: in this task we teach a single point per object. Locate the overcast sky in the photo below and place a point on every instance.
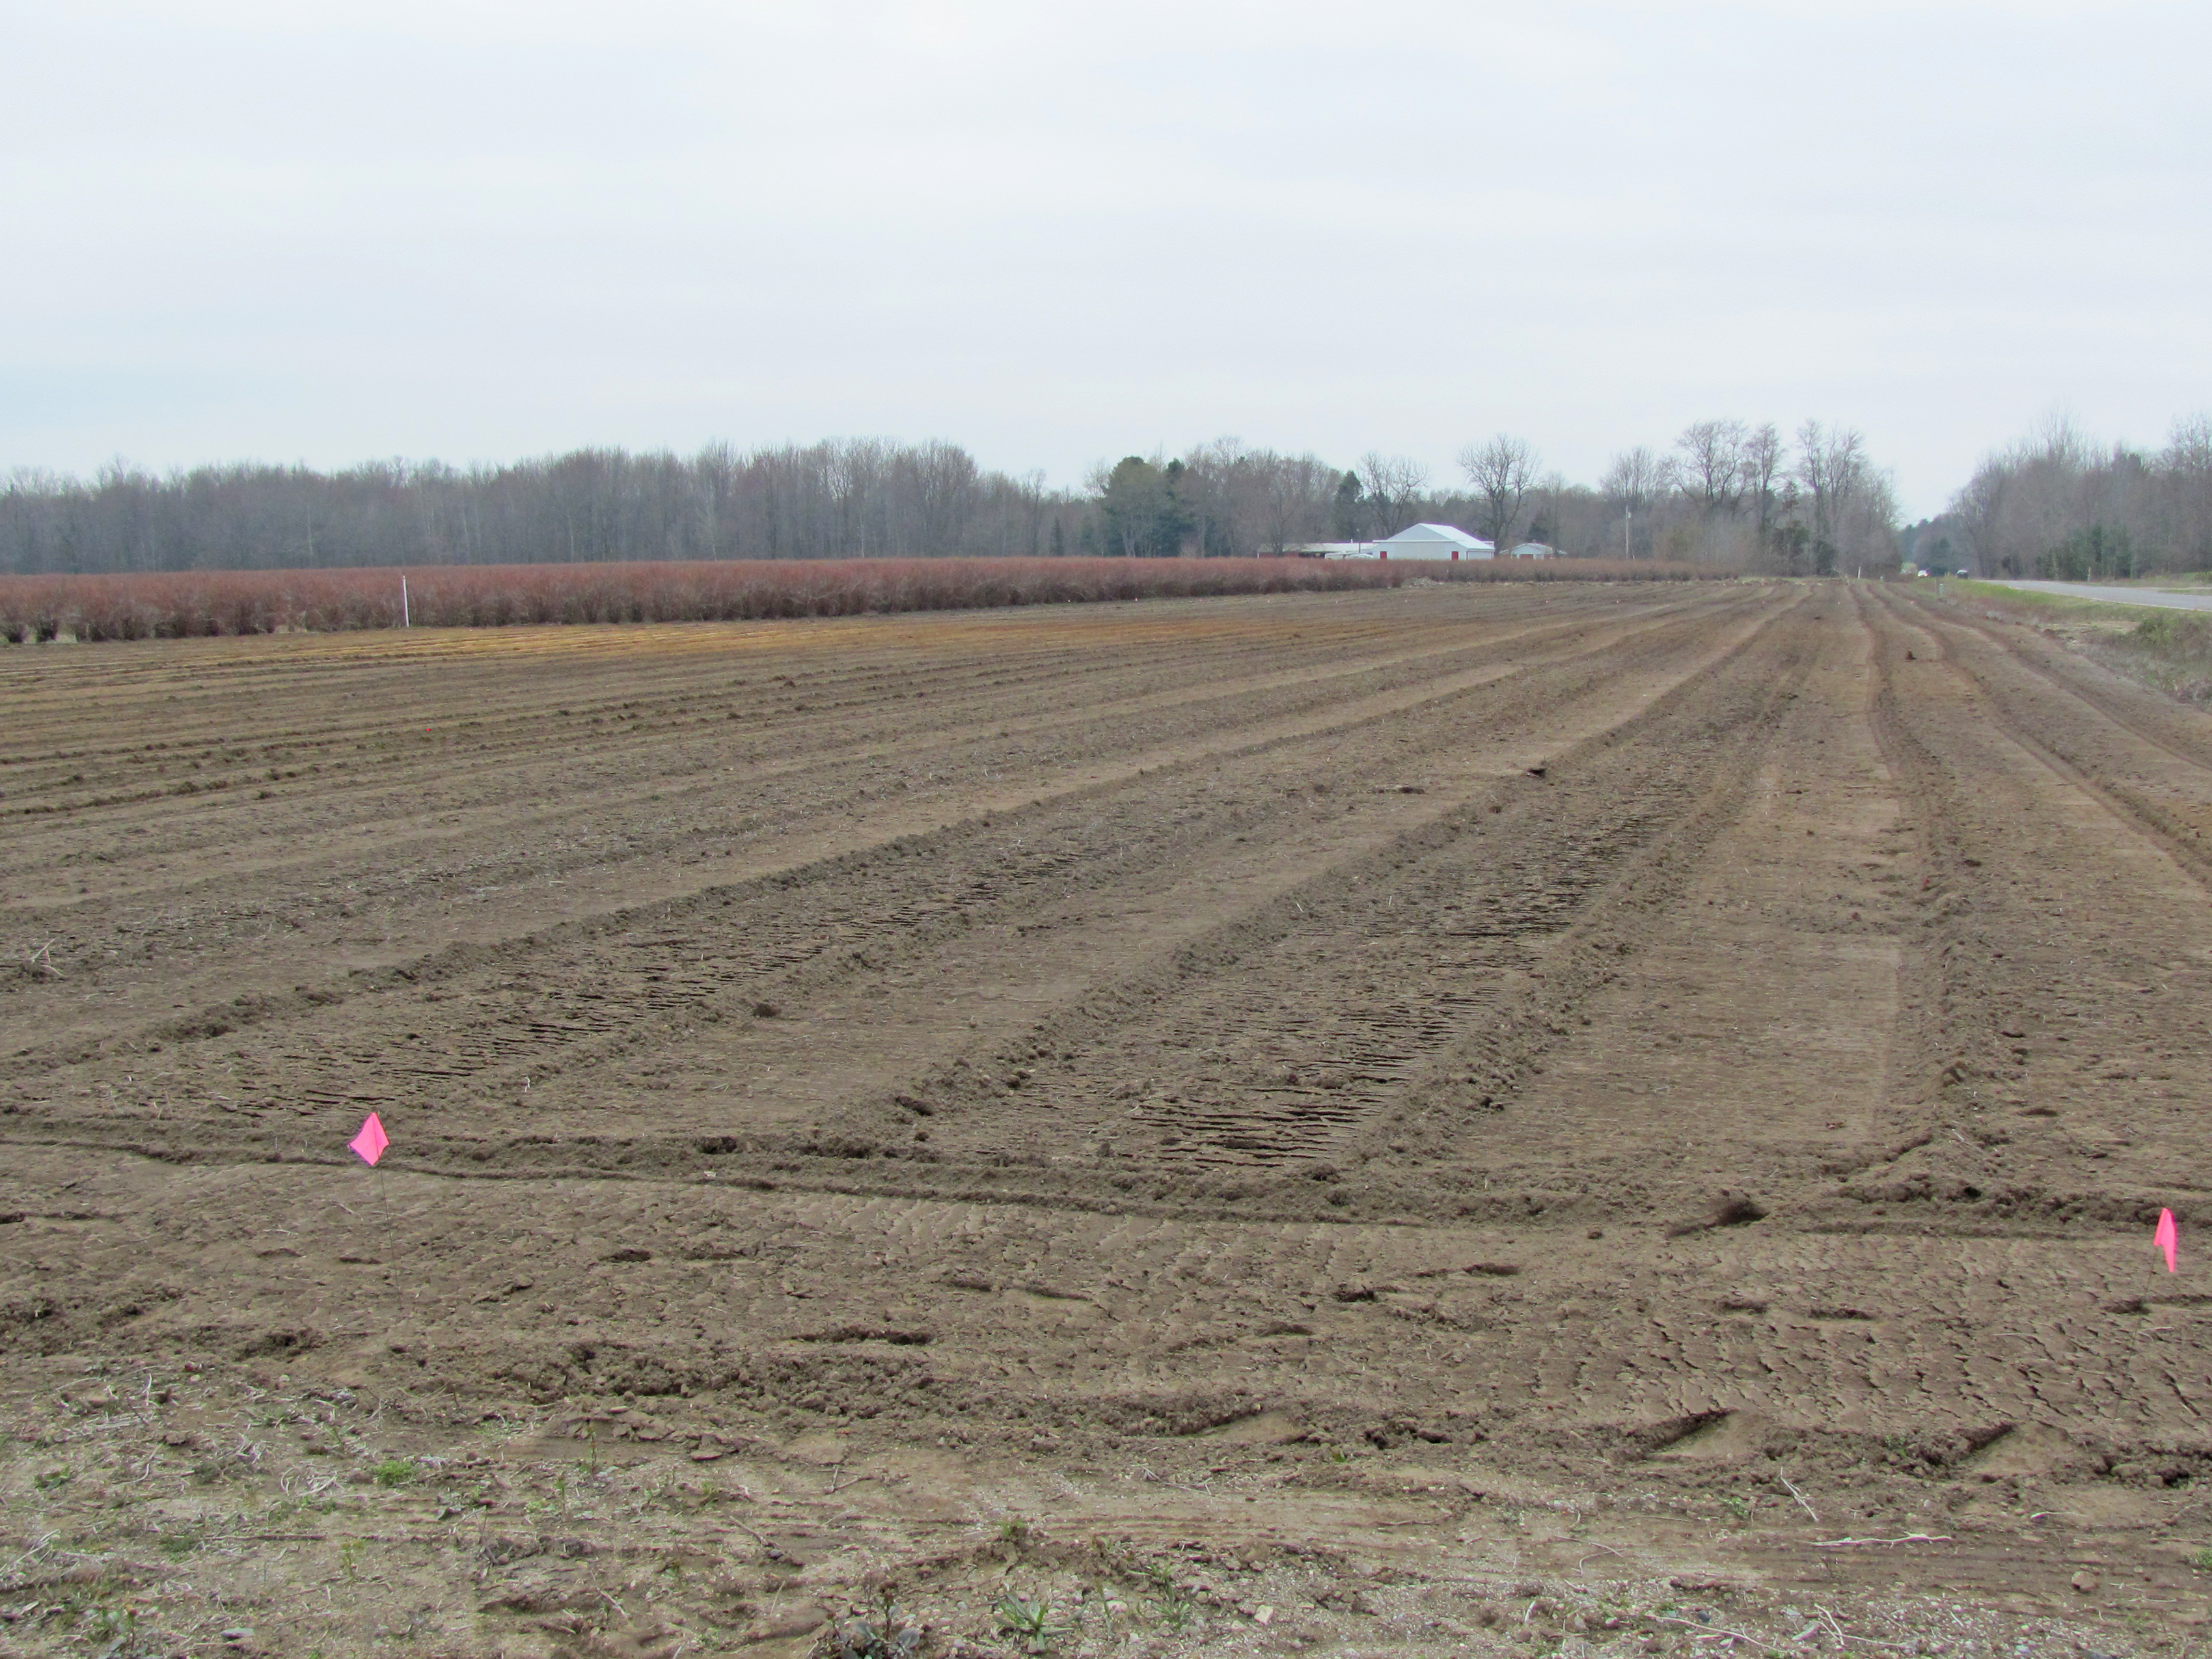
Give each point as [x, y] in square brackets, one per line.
[1057, 233]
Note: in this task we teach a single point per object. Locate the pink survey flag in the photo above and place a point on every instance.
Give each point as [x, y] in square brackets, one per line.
[370, 1143]
[2166, 1237]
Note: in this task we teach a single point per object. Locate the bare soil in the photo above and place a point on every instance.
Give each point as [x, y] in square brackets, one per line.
[1593, 1120]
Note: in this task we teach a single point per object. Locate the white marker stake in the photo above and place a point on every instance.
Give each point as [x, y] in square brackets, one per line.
[405, 621]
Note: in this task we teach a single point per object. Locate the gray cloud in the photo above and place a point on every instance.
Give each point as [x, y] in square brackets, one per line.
[1059, 234]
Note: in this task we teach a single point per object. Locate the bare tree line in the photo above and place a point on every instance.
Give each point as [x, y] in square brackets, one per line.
[2057, 505]
[1731, 493]
[847, 498]
[1725, 493]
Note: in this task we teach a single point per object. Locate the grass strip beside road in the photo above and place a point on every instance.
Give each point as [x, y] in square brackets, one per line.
[2170, 651]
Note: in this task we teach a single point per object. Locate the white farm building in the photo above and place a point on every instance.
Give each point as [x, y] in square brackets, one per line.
[1434, 541]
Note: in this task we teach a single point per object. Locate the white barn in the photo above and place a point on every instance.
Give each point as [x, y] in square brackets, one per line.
[1434, 541]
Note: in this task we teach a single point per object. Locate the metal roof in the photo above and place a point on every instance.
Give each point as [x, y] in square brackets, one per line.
[1436, 532]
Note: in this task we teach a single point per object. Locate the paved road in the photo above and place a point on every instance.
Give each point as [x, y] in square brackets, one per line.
[2119, 595]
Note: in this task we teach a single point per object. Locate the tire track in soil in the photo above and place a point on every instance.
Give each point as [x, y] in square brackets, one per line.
[1737, 1052]
[2178, 729]
[766, 738]
[2179, 823]
[1132, 685]
[2060, 975]
[585, 999]
[1451, 1401]
[1144, 1330]
[1305, 895]
[442, 1069]
[988, 1121]
[892, 717]
[663, 864]
[1278, 1043]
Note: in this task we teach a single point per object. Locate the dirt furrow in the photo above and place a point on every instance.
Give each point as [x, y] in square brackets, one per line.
[1361, 1002]
[491, 873]
[479, 1007]
[2062, 974]
[2146, 769]
[1448, 1118]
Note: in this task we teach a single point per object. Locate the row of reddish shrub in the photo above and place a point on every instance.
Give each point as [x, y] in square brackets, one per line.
[182, 603]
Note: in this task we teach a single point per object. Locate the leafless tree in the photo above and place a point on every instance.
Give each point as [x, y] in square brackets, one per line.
[1826, 463]
[1832, 466]
[876, 497]
[1811, 471]
[2185, 497]
[2188, 450]
[841, 498]
[1546, 519]
[1634, 483]
[1298, 490]
[2057, 504]
[1712, 464]
[1243, 501]
[1763, 456]
[1637, 477]
[1979, 510]
[1503, 471]
[1394, 483]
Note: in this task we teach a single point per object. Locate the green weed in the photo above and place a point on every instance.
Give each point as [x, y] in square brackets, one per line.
[1097, 1605]
[394, 1472]
[1033, 1627]
[1171, 1606]
[114, 1625]
[886, 1636]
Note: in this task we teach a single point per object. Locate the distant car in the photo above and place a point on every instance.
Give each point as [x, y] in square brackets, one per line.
[1962, 573]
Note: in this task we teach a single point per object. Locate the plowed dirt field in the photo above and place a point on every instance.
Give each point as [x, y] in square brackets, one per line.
[1602, 1118]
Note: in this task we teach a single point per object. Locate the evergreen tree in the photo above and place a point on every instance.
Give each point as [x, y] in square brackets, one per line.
[1350, 512]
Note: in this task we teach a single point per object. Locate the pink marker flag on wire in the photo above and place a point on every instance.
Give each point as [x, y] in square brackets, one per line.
[368, 1145]
[2166, 1237]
